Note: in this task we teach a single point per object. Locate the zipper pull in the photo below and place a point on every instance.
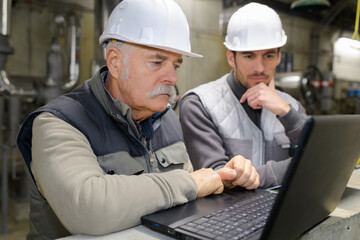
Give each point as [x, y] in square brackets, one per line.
[152, 161]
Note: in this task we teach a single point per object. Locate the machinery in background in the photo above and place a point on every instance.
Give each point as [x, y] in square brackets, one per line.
[346, 62]
[312, 88]
[325, 92]
[317, 90]
[21, 95]
[15, 100]
[103, 9]
[351, 101]
[54, 84]
[321, 93]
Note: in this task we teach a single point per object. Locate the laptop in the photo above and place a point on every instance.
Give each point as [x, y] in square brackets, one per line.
[313, 185]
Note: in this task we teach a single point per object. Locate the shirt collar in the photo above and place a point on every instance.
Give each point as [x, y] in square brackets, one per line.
[236, 87]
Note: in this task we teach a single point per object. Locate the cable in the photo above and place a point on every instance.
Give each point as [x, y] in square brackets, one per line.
[355, 36]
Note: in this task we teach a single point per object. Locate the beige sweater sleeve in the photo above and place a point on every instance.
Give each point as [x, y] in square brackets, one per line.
[86, 200]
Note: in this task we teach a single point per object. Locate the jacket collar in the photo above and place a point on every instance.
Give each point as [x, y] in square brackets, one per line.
[117, 109]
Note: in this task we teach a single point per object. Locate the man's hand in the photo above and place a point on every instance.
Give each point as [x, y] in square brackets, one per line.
[208, 182]
[265, 96]
[239, 171]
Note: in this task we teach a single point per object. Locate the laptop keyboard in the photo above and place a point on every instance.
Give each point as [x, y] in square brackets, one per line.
[235, 222]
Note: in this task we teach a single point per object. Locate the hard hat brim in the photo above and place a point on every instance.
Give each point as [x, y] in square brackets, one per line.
[102, 39]
[183, 53]
[255, 48]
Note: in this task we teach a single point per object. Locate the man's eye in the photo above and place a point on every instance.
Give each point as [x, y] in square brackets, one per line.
[157, 63]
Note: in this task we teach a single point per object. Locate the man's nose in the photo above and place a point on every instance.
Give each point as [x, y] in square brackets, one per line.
[170, 76]
[259, 65]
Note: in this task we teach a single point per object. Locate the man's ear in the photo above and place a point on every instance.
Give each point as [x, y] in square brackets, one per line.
[114, 62]
[230, 58]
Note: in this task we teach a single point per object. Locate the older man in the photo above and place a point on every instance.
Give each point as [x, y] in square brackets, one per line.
[241, 113]
[112, 151]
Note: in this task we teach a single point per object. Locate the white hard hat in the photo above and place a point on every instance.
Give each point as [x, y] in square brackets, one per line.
[254, 27]
[155, 23]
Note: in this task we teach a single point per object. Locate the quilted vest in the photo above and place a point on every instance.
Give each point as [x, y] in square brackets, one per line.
[235, 126]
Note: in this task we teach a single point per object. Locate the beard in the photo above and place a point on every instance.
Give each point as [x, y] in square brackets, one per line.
[163, 89]
[247, 82]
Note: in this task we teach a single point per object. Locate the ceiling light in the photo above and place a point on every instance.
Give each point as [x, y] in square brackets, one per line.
[310, 5]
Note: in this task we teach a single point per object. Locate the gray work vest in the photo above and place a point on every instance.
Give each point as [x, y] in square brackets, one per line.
[239, 134]
[129, 156]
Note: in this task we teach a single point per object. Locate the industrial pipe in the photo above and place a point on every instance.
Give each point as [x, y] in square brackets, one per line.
[7, 88]
[5, 17]
[74, 37]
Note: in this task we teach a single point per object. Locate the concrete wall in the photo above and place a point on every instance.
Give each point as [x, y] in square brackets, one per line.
[206, 39]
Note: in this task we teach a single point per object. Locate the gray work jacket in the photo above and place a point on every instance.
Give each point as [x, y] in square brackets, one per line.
[118, 144]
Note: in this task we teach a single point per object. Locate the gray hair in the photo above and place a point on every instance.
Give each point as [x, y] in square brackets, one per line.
[126, 50]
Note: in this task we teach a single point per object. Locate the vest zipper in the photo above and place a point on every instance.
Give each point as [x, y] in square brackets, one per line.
[151, 161]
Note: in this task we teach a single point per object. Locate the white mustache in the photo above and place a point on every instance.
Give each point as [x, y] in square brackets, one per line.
[163, 89]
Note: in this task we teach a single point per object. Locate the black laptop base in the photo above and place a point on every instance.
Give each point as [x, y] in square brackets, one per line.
[313, 185]
[234, 207]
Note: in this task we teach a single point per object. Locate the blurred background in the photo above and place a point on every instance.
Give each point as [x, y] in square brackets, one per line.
[48, 47]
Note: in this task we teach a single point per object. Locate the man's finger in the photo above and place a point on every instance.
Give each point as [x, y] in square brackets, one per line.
[243, 98]
[220, 189]
[252, 179]
[272, 84]
[255, 184]
[227, 174]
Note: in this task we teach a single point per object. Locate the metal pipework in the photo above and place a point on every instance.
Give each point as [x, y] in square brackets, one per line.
[5, 85]
[74, 37]
[14, 114]
[5, 17]
[5, 49]
[103, 9]
[2, 103]
[7, 88]
[4, 190]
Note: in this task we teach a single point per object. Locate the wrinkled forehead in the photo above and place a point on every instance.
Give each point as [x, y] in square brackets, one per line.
[154, 53]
